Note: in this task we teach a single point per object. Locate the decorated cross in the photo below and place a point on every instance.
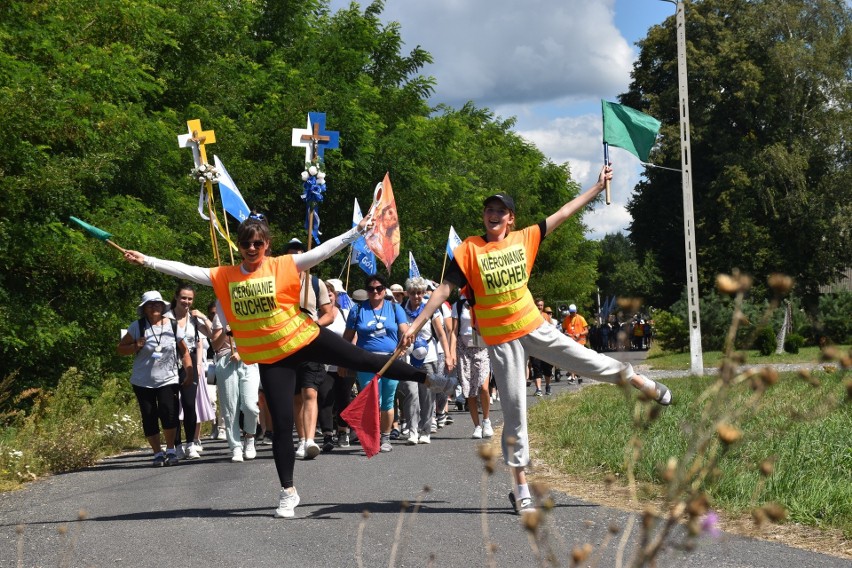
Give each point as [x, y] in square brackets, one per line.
[315, 138]
[195, 140]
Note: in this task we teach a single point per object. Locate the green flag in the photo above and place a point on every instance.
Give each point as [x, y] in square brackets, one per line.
[627, 128]
[99, 234]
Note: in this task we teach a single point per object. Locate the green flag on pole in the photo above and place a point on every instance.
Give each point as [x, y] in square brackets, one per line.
[99, 234]
[93, 231]
[627, 128]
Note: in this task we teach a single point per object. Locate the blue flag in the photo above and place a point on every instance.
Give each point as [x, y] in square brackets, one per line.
[361, 253]
[413, 271]
[232, 199]
[452, 242]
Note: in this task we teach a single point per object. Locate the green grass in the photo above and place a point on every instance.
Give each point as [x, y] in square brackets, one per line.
[661, 360]
[805, 429]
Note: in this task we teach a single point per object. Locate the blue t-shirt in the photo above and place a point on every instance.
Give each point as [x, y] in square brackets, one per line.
[364, 320]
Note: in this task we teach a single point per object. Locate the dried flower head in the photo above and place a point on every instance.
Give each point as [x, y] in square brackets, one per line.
[767, 466]
[781, 284]
[82, 515]
[365, 513]
[727, 284]
[670, 469]
[613, 528]
[759, 517]
[62, 529]
[849, 391]
[630, 305]
[728, 434]
[698, 505]
[775, 512]
[531, 520]
[580, 554]
[19, 529]
[830, 353]
[769, 375]
[609, 479]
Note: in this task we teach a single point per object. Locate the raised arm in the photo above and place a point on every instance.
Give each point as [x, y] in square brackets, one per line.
[316, 255]
[580, 201]
[195, 274]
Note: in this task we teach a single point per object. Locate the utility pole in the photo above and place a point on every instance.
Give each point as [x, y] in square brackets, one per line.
[696, 358]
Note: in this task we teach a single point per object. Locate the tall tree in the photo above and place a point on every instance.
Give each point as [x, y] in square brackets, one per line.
[771, 116]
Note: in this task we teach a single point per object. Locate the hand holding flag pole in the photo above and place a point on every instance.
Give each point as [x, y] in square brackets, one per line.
[99, 234]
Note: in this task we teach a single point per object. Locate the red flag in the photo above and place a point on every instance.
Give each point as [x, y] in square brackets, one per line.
[362, 415]
[384, 238]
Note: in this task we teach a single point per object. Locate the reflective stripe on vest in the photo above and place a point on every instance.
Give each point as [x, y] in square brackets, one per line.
[262, 309]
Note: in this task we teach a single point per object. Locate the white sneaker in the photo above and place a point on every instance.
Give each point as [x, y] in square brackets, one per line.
[191, 453]
[179, 452]
[412, 438]
[300, 450]
[198, 447]
[287, 503]
[477, 433]
[248, 449]
[237, 455]
[312, 450]
[424, 439]
[487, 430]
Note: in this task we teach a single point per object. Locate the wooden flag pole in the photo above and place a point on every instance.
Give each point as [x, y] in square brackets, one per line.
[349, 266]
[112, 244]
[308, 271]
[606, 183]
[227, 232]
[444, 266]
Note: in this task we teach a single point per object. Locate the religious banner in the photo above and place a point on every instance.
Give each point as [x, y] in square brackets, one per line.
[384, 238]
[232, 199]
[316, 139]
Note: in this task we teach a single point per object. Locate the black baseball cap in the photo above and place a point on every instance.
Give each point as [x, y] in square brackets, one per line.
[502, 198]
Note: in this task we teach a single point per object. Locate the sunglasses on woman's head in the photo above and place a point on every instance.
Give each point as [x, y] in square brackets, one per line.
[248, 244]
[375, 288]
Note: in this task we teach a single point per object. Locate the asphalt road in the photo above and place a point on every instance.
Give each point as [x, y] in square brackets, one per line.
[214, 513]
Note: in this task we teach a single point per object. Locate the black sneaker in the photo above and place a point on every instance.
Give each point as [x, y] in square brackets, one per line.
[171, 459]
[327, 443]
[579, 380]
[547, 391]
[159, 460]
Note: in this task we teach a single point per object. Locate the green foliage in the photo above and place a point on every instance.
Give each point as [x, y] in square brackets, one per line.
[93, 96]
[670, 331]
[621, 272]
[64, 430]
[771, 120]
[793, 342]
[765, 342]
[802, 428]
[833, 319]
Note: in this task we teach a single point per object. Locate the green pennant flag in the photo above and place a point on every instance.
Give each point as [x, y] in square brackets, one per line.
[99, 234]
[625, 127]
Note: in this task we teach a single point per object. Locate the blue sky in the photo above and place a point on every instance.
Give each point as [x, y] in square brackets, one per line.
[545, 62]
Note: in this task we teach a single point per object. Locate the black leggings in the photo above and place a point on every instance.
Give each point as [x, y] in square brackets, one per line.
[157, 406]
[187, 402]
[342, 397]
[279, 381]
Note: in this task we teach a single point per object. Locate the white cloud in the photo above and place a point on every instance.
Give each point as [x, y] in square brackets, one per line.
[504, 51]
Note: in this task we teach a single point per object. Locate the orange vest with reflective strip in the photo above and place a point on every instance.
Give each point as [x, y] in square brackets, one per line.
[498, 273]
[262, 309]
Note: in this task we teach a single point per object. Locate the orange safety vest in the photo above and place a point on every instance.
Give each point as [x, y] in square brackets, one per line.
[262, 309]
[498, 273]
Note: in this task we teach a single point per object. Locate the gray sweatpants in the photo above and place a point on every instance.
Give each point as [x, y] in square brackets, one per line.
[509, 362]
[418, 402]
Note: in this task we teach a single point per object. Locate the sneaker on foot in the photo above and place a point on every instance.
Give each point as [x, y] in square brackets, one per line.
[547, 392]
[477, 433]
[159, 460]
[312, 450]
[441, 420]
[386, 447]
[412, 439]
[327, 443]
[664, 395]
[441, 384]
[198, 447]
[434, 427]
[267, 439]
[191, 452]
[287, 503]
[179, 452]
[487, 430]
[537, 392]
[450, 420]
[521, 506]
[394, 434]
[171, 458]
[343, 439]
[237, 455]
[300, 450]
[248, 449]
[579, 380]
[424, 439]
